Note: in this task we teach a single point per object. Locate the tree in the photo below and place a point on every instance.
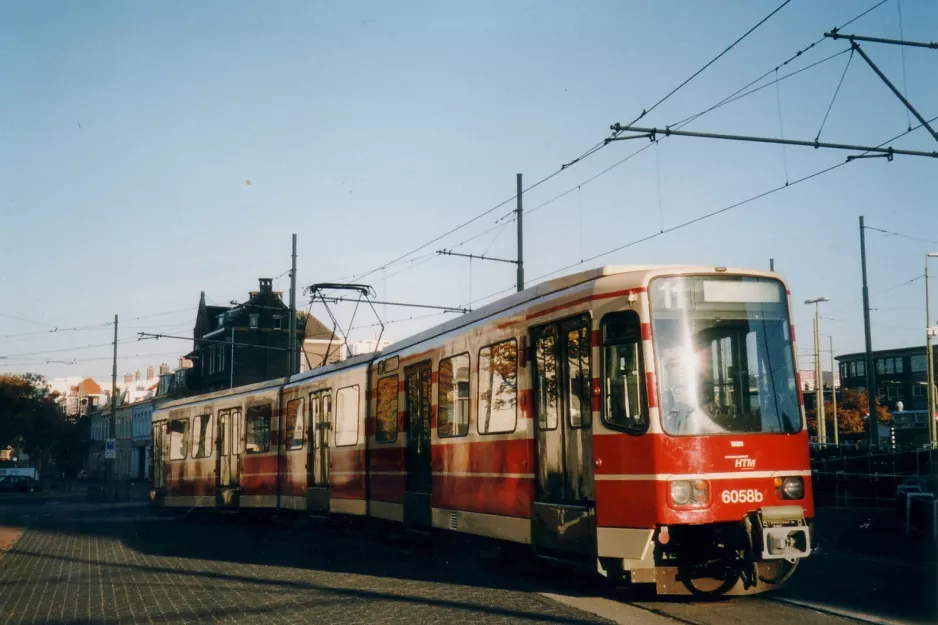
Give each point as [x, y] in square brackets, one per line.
[31, 421]
[851, 413]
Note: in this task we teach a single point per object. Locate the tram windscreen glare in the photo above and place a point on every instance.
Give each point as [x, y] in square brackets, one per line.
[724, 355]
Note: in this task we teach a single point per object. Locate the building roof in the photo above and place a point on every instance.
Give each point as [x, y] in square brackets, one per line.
[315, 329]
[896, 351]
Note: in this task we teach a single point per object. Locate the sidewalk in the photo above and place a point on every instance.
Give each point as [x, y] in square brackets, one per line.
[871, 532]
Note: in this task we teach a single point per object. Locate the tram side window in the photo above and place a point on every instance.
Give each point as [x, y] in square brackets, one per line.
[293, 427]
[202, 436]
[578, 377]
[623, 371]
[257, 430]
[236, 431]
[346, 416]
[453, 402]
[498, 388]
[178, 439]
[386, 419]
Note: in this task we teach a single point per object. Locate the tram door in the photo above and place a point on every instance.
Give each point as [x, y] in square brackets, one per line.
[317, 462]
[228, 455]
[563, 515]
[419, 390]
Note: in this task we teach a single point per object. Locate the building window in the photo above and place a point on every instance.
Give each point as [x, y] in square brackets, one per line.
[257, 430]
[899, 365]
[211, 360]
[623, 372]
[453, 400]
[346, 416]
[498, 388]
[254, 321]
[293, 429]
[278, 322]
[202, 436]
[178, 439]
[386, 419]
[221, 358]
[880, 366]
[918, 391]
[221, 320]
[861, 368]
[892, 392]
[919, 364]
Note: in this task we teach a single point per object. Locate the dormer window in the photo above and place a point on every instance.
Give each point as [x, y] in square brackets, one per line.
[221, 320]
[254, 322]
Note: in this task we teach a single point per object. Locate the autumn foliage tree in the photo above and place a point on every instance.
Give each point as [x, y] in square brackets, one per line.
[851, 413]
[30, 421]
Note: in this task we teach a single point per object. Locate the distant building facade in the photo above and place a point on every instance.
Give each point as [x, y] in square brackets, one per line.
[901, 376]
[248, 343]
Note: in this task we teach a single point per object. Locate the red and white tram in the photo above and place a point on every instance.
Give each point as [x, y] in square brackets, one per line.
[645, 421]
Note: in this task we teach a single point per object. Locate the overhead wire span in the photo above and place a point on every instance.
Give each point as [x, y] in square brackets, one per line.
[721, 210]
[735, 96]
[741, 93]
[833, 99]
[597, 147]
[67, 349]
[899, 234]
[710, 62]
[83, 360]
[905, 84]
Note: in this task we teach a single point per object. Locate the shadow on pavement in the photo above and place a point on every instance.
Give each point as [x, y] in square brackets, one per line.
[292, 547]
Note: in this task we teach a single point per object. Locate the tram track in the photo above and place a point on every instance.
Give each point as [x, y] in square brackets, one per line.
[617, 606]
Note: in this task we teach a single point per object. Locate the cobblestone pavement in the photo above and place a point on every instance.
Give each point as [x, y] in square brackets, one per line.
[105, 566]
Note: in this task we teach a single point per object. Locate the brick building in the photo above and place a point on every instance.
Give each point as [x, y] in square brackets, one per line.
[248, 343]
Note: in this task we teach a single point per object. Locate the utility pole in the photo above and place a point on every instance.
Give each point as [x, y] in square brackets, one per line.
[231, 366]
[834, 395]
[111, 486]
[292, 356]
[932, 426]
[519, 213]
[818, 373]
[870, 371]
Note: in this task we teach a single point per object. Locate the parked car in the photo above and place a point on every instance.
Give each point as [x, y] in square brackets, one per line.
[18, 484]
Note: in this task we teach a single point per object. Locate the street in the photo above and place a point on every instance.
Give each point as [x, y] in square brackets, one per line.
[82, 563]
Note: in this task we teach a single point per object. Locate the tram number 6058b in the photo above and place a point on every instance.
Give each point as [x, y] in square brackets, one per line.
[742, 496]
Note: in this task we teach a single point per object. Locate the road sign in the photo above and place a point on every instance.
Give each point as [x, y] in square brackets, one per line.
[932, 331]
[110, 448]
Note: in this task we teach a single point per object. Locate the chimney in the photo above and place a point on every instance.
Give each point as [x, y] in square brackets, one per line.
[128, 378]
[137, 376]
[164, 368]
[267, 285]
[180, 364]
[149, 373]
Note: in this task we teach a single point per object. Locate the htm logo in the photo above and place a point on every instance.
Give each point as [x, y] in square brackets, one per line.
[745, 463]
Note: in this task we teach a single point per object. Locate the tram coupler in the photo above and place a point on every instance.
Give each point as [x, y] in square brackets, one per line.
[780, 533]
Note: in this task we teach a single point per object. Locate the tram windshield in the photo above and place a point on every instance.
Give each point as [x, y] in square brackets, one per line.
[724, 355]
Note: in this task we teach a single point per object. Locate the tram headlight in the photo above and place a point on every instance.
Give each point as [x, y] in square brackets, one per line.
[689, 493]
[791, 487]
[680, 493]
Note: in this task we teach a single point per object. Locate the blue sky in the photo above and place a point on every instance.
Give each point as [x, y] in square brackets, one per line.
[129, 130]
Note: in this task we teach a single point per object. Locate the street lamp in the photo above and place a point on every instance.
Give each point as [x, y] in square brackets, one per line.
[930, 331]
[818, 372]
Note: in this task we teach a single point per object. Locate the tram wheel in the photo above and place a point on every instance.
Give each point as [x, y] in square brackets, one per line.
[711, 587]
[776, 571]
